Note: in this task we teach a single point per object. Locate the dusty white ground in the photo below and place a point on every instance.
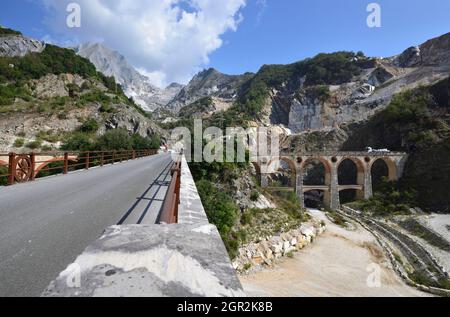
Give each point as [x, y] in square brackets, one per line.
[335, 265]
[439, 224]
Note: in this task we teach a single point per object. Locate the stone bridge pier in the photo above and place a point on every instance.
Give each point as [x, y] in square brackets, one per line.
[331, 162]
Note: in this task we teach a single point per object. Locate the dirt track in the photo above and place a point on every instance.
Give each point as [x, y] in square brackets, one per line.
[335, 265]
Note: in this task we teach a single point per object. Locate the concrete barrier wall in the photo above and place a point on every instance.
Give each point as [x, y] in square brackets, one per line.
[191, 209]
[188, 259]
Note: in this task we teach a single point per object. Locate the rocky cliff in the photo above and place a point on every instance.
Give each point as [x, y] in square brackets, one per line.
[304, 107]
[135, 85]
[12, 45]
[49, 93]
[210, 83]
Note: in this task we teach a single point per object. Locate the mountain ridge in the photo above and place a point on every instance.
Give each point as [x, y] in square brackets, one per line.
[135, 84]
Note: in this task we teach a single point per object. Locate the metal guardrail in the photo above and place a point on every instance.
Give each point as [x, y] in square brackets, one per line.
[169, 213]
[27, 167]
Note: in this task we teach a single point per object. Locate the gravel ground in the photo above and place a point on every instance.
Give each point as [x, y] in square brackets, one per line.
[441, 225]
[335, 265]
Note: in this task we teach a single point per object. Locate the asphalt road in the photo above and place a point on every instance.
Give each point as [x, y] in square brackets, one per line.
[46, 224]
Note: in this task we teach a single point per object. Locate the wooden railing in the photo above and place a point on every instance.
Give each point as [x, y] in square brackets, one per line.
[19, 168]
[169, 213]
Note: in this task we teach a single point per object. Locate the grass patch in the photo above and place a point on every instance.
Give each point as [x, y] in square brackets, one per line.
[337, 219]
[19, 143]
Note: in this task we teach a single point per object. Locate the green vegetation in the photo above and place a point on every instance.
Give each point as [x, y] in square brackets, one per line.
[3, 179]
[53, 60]
[16, 71]
[389, 200]
[18, 143]
[417, 229]
[221, 211]
[89, 126]
[423, 279]
[337, 218]
[320, 71]
[218, 202]
[416, 122]
[112, 140]
[6, 32]
[9, 92]
[254, 196]
[197, 108]
[34, 144]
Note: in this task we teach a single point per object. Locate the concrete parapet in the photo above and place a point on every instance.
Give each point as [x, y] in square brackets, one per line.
[151, 261]
[187, 259]
[191, 209]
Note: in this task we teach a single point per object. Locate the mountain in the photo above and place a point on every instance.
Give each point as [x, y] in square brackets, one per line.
[332, 90]
[323, 93]
[135, 85]
[209, 83]
[49, 94]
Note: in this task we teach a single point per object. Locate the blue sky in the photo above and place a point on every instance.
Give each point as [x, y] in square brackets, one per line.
[267, 32]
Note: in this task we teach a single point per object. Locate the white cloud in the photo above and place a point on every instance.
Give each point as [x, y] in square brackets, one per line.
[262, 4]
[169, 39]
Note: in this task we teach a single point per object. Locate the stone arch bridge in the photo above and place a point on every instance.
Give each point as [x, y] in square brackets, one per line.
[364, 161]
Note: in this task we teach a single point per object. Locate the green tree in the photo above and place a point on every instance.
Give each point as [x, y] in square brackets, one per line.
[114, 140]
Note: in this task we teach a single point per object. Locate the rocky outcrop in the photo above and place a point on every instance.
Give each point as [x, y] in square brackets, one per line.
[129, 119]
[409, 58]
[209, 83]
[19, 46]
[135, 85]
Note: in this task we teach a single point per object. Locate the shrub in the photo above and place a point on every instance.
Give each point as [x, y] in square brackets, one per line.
[221, 211]
[19, 143]
[90, 126]
[78, 142]
[48, 136]
[141, 143]
[9, 92]
[117, 140]
[34, 145]
[254, 196]
[6, 31]
[246, 218]
[4, 179]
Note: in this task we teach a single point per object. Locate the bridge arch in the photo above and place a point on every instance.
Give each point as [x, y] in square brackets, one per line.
[275, 164]
[323, 162]
[392, 169]
[358, 173]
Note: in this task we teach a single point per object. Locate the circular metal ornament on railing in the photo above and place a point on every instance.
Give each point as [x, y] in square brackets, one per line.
[23, 169]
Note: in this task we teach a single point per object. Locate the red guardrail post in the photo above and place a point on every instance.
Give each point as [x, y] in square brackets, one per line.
[33, 166]
[66, 163]
[11, 168]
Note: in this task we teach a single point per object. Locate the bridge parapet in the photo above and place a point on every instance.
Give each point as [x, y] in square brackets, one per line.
[187, 259]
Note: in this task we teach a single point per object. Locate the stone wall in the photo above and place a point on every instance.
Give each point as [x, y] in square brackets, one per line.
[268, 250]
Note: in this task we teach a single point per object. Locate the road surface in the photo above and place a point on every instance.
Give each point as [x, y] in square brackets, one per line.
[46, 224]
